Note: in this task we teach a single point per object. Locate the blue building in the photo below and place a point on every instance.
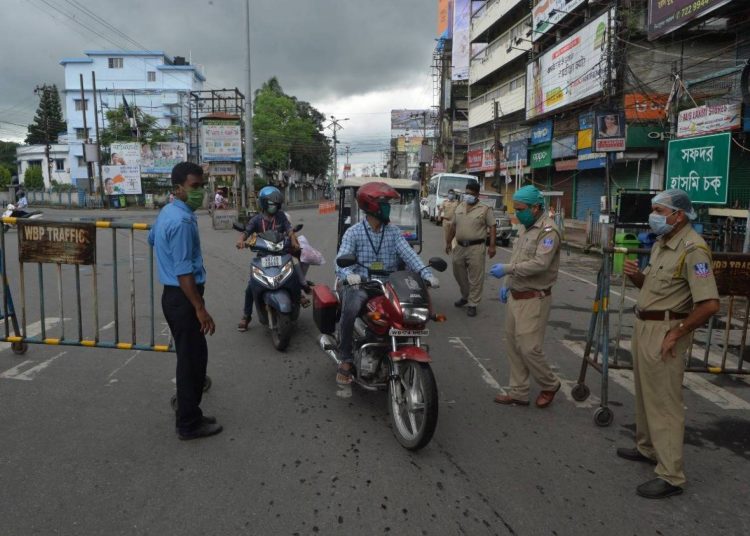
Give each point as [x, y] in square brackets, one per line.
[157, 84]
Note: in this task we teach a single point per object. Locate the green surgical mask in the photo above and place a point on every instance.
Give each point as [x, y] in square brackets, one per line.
[526, 217]
[272, 208]
[385, 212]
[195, 199]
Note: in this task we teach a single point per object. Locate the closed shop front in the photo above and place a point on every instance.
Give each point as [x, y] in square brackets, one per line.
[589, 189]
[631, 175]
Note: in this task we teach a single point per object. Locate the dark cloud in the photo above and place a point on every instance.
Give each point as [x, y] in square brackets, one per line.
[319, 49]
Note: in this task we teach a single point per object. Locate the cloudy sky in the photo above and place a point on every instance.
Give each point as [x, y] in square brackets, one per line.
[350, 58]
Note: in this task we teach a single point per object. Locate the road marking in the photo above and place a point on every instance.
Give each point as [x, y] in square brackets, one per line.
[486, 376]
[592, 401]
[108, 326]
[624, 378]
[33, 371]
[118, 369]
[34, 329]
[11, 373]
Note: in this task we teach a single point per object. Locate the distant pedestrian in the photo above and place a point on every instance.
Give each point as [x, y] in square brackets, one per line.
[678, 295]
[472, 223]
[447, 213]
[176, 242]
[531, 273]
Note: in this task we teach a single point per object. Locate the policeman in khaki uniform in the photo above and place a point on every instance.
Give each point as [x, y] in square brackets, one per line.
[471, 222]
[448, 212]
[678, 294]
[533, 270]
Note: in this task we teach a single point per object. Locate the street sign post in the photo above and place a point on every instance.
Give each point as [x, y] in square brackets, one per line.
[700, 167]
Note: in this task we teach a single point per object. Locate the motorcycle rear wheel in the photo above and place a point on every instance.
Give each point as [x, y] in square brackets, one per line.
[281, 333]
[414, 405]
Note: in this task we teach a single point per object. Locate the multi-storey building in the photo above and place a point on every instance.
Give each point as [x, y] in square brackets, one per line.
[155, 83]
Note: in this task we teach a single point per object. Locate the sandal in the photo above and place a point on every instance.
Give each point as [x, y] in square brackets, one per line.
[304, 301]
[242, 326]
[344, 375]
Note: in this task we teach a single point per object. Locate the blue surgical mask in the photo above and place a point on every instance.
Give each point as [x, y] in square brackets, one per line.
[451, 197]
[272, 208]
[470, 199]
[658, 224]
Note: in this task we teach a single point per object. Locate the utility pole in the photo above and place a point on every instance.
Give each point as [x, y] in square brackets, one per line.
[249, 157]
[98, 140]
[48, 147]
[335, 126]
[496, 146]
[86, 136]
[346, 172]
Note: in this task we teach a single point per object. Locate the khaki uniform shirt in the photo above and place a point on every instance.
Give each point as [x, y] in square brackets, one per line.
[678, 275]
[536, 256]
[448, 209]
[473, 224]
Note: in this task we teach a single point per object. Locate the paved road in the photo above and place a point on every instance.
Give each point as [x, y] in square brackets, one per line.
[88, 445]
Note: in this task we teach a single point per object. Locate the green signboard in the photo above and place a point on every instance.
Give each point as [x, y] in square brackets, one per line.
[700, 166]
[644, 137]
[541, 156]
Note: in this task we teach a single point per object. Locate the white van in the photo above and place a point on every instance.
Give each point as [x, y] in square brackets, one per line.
[437, 190]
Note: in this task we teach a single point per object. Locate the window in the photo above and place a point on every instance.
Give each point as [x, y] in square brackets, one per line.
[82, 134]
[59, 164]
[81, 161]
[35, 163]
[152, 76]
[81, 104]
[115, 63]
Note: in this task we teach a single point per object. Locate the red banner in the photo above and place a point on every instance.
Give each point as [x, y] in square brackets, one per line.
[474, 159]
[639, 106]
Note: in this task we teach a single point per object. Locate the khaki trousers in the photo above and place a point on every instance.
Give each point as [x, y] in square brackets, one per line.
[659, 410]
[525, 322]
[468, 269]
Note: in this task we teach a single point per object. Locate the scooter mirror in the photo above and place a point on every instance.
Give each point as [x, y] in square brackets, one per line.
[345, 261]
[438, 264]
[237, 226]
[298, 228]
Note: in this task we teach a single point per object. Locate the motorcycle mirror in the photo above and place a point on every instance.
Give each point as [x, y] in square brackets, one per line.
[298, 228]
[345, 261]
[237, 226]
[438, 264]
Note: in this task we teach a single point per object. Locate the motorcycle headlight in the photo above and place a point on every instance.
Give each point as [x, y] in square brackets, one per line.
[274, 281]
[416, 315]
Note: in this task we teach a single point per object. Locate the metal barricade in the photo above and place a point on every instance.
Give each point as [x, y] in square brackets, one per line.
[69, 252]
[732, 272]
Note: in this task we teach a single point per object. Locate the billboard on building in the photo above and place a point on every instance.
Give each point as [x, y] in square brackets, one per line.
[666, 16]
[547, 13]
[645, 107]
[700, 166]
[572, 70]
[413, 120]
[461, 39]
[709, 119]
[121, 179]
[609, 131]
[444, 17]
[162, 157]
[125, 154]
[221, 140]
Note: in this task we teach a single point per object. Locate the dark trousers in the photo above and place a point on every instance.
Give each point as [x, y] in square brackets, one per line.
[192, 355]
[352, 300]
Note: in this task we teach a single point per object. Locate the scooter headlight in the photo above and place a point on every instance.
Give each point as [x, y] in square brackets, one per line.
[415, 315]
[273, 281]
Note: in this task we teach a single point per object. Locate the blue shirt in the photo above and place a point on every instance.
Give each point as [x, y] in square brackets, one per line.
[386, 247]
[175, 238]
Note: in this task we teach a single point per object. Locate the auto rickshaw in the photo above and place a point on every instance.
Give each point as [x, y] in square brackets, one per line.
[405, 214]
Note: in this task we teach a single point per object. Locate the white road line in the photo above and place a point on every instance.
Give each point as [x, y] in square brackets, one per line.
[107, 326]
[624, 378]
[486, 376]
[118, 369]
[33, 371]
[11, 373]
[592, 401]
[34, 329]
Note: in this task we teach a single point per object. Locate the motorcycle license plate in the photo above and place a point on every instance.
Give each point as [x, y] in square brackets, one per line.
[408, 332]
[271, 261]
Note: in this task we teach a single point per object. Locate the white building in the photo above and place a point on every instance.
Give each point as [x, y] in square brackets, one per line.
[35, 155]
[157, 84]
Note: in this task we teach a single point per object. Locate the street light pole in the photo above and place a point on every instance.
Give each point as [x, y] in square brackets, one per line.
[249, 159]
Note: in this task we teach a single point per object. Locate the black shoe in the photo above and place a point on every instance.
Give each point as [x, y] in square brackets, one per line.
[634, 455]
[208, 419]
[657, 489]
[460, 303]
[471, 311]
[203, 430]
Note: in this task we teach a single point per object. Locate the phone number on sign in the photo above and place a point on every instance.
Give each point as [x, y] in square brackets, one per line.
[692, 8]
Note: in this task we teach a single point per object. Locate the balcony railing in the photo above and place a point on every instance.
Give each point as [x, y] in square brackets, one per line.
[501, 51]
[490, 13]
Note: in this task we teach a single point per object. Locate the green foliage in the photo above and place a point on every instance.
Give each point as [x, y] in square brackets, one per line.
[5, 177]
[8, 154]
[33, 179]
[259, 183]
[48, 121]
[62, 186]
[288, 132]
[119, 129]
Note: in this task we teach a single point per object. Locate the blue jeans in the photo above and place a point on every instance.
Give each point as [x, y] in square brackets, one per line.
[352, 301]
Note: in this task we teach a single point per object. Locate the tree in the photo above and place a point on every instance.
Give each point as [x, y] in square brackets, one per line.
[48, 121]
[118, 128]
[4, 178]
[8, 154]
[288, 132]
[33, 179]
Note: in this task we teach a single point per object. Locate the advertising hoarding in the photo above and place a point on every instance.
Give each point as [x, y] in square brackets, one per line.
[474, 159]
[461, 39]
[125, 154]
[402, 120]
[666, 16]
[121, 180]
[609, 131]
[541, 132]
[547, 13]
[162, 157]
[564, 147]
[700, 166]
[444, 18]
[540, 156]
[643, 107]
[221, 140]
[709, 119]
[572, 70]
[590, 160]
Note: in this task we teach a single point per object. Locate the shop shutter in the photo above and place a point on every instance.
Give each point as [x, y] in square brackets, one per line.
[627, 176]
[739, 178]
[564, 181]
[589, 190]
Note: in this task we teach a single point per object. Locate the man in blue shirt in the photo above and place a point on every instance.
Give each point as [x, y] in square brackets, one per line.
[379, 247]
[175, 239]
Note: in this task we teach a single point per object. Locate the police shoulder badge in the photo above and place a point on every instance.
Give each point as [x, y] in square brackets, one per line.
[702, 269]
[548, 243]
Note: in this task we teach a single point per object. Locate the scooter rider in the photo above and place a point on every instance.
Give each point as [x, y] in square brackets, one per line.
[271, 217]
[378, 247]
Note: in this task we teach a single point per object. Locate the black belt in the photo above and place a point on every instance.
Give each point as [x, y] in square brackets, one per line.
[467, 243]
[658, 315]
[172, 288]
[529, 294]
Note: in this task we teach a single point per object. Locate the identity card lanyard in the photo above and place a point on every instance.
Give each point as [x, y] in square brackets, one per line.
[380, 245]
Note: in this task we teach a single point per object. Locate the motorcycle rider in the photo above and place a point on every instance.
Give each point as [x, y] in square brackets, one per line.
[378, 247]
[271, 217]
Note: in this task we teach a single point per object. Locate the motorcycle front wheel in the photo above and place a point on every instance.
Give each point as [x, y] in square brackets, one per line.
[414, 404]
[281, 333]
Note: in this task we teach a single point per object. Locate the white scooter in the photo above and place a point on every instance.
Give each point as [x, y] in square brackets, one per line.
[12, 212]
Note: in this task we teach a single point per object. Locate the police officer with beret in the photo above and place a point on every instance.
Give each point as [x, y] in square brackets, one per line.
[532, 271]
[678, 295]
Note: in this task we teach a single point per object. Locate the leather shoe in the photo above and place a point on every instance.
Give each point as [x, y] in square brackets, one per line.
[657, 489]
[634, 455]
[506, 400]
[460, 303]
[545, 398]
[208, 419]
[471, 311]
[203, 430]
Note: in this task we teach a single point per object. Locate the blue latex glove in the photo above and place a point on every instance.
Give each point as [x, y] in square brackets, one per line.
[498, 270]
[503, 294]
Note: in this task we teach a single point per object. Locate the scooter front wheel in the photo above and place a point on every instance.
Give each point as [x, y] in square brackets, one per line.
[281, 333]
[413, 398]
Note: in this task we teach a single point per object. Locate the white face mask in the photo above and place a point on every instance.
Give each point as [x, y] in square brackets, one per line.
[470, 199]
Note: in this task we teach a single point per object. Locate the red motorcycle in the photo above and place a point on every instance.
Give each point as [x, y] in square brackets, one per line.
[389, 353]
